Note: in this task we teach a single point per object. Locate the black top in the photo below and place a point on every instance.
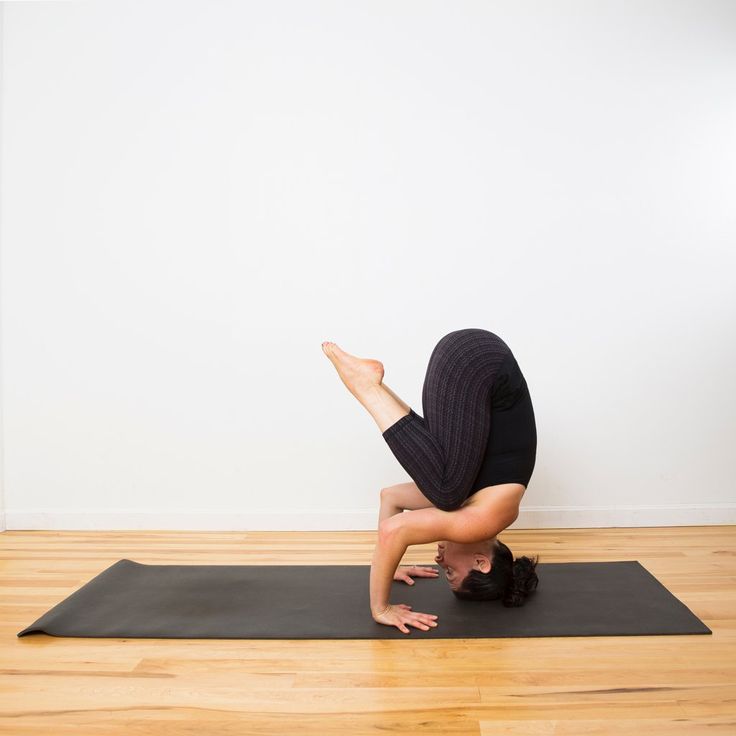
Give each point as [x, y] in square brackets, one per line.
[512, 444]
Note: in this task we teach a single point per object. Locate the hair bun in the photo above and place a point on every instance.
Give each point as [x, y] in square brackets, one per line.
[524, 581]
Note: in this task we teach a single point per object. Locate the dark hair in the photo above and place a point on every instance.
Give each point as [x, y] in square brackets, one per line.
[509, 579]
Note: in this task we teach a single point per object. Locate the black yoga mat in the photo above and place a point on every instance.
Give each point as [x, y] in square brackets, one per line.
[131, 599]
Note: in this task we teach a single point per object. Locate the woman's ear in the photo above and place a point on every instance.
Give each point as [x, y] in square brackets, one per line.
[483, 563]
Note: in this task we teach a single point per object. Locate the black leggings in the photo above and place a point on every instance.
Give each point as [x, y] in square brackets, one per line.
[478, 427]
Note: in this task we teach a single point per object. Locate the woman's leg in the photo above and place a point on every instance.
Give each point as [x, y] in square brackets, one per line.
[443, 451]
[364, 379]
[404, 405]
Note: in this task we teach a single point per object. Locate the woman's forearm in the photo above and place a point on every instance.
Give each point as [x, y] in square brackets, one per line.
[388, 509]
[387, 554]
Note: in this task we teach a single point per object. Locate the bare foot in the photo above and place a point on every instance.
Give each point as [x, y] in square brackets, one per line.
[358, 374]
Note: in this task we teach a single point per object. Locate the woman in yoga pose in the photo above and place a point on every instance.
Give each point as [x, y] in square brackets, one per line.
[470, 456]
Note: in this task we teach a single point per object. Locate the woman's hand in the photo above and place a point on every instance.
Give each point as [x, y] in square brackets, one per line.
[400, 615]
[404, 572]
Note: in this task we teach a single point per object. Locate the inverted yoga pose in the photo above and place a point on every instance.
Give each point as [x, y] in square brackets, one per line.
[470, 458]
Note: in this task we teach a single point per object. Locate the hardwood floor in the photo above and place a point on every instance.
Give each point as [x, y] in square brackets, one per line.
[569, 685]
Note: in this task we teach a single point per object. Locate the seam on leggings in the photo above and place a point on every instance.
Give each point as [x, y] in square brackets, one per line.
[399, 423]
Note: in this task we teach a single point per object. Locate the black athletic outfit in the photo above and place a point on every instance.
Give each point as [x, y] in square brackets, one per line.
[478, 427]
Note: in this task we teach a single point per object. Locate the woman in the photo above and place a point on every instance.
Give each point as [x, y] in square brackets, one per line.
[471, 457]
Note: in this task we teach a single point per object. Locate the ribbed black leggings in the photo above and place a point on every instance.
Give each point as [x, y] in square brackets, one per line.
[444, 452]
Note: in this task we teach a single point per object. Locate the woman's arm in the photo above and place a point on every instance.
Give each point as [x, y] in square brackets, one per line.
[400, 497]
[389, 550]
[396, 533]
[421, 526]
[388, 507]
[466, 524]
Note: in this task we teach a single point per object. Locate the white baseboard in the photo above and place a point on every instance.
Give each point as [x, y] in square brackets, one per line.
[531, 517]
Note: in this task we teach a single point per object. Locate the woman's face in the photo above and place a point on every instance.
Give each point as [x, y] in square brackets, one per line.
[457, 559]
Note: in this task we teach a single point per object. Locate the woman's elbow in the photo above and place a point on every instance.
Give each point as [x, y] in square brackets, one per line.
[389, 526]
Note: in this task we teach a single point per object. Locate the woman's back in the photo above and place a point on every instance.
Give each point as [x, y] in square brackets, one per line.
[510, 453]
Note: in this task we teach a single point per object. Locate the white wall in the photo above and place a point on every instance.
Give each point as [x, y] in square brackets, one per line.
[2, 463]
[196, 195]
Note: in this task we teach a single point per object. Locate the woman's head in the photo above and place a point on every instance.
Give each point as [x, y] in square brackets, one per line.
[487, 570]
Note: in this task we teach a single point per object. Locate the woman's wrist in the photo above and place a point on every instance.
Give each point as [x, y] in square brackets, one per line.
[379, 610]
